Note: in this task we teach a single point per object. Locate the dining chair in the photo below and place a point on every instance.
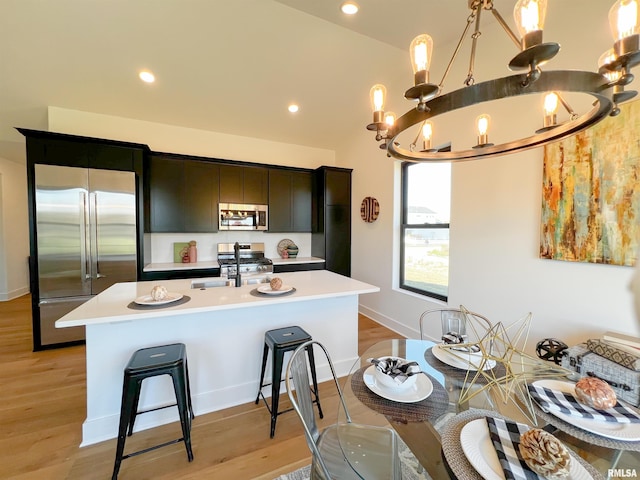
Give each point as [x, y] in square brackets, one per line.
[456, 320]
[374, 448]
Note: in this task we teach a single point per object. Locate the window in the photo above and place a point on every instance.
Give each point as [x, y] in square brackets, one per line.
[424, 245]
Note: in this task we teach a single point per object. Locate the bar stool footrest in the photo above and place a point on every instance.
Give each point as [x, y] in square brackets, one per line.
[149, 449]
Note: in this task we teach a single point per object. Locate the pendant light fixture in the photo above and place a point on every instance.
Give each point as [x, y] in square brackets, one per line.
[606, 87]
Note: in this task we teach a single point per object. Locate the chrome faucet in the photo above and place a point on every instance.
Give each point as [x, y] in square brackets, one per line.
[236, 250]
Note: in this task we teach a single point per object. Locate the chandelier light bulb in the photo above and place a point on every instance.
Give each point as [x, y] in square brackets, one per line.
[550, 110]
[378, 95]
[551, 103]
[421, 50]
[427, 134]
[604, 62]
[530, 16]
[623, 19]
[482, 123]
[606, 58]
[389, 119]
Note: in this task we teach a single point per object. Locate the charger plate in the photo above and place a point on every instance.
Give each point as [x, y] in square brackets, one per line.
[628, 432]
[416, 392]
[455, 457]
[479, 450]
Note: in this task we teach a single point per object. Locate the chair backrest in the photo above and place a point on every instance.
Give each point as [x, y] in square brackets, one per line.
[456, 320]
[299, 391]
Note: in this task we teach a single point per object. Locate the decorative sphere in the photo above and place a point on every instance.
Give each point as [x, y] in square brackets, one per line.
[551, 349]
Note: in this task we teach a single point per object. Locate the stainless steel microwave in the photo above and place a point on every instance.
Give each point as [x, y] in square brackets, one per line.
[236, 216]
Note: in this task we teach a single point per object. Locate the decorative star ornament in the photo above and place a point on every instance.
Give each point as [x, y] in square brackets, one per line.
[505, 346]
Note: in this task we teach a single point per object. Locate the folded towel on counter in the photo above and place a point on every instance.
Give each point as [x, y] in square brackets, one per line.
[505, 436]
[566, 403]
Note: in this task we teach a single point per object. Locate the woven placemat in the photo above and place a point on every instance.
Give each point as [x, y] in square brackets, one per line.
[457, 460]
[431, 408]
[581, 434]
[137, 306]
[459, 376]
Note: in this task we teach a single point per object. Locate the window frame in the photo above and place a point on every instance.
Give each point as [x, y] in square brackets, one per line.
[404, 226]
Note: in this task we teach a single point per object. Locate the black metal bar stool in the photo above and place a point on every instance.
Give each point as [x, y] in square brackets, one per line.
[283, 340]
[150, 362]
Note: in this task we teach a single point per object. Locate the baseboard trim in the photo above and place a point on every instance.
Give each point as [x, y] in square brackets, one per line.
[19, 292]
[389, 322]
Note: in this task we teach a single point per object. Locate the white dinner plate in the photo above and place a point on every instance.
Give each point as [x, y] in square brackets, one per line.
[628, 432]
[269, 291]
[148, 300]
[454, 361]
[416, 392]
[479, 450]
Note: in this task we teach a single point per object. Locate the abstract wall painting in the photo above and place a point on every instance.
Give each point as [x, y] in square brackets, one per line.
[591, 193]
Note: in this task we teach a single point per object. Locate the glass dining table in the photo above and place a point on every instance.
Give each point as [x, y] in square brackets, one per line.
[428, 417]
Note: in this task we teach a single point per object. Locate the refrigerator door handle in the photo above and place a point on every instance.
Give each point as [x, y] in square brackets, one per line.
[94, 243]
[84, 243]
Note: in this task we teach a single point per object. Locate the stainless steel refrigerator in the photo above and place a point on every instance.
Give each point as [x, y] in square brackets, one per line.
[85, 234]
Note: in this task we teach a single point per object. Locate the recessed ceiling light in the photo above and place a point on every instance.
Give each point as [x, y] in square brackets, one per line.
[293, 108]
[147, 76]
[349, 8]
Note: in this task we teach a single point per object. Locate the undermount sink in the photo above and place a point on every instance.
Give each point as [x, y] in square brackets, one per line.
[225, 282]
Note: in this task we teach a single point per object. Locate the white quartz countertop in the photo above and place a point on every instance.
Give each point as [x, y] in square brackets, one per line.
[162, 267]
[169, 266]
[292, 261]
[112, 305]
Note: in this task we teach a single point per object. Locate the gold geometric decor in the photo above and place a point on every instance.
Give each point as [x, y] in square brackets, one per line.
[591, 193]
[505, 345]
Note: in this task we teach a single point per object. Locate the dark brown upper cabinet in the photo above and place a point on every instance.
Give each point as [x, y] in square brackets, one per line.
[244, 184]
[290, 194]
[183, 195]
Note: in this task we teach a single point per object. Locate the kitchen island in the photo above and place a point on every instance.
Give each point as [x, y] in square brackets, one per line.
[223, 329]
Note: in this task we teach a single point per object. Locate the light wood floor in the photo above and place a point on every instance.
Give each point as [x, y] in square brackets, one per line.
[42, 407]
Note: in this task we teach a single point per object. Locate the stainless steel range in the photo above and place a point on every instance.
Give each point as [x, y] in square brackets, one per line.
[252, 260]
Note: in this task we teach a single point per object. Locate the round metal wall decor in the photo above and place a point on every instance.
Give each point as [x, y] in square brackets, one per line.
[369, 209]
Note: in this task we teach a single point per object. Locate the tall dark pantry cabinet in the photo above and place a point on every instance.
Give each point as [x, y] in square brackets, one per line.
[331, 229]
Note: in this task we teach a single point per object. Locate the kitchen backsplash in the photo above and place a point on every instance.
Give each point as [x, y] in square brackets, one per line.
[162, 243]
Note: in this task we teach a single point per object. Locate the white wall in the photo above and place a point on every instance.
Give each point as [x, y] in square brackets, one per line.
[495, 220]
[14, 230]
[188, 141]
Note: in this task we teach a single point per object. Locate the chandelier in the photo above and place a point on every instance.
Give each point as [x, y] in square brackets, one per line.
[605, 88]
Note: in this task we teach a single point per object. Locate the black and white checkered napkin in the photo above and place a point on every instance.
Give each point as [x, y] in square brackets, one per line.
[566, 403]
[505, 436]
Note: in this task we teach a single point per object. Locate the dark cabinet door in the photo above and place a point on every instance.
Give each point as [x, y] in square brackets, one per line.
[61, 152]
[280, 212]
[183, 195]
[302, 186]
[201, 197]
[166, 194]
[111, 157]
[331, 236]
[337, 187]
[290, 200]
[231, 184]
[248, 185]
[255, 185]
[338, 239]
